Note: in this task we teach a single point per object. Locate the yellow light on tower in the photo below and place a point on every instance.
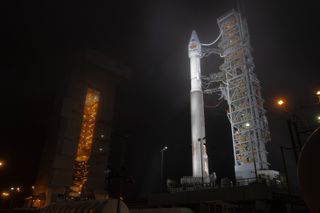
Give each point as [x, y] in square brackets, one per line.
[5, 194]
[1, 163]
[81, 167]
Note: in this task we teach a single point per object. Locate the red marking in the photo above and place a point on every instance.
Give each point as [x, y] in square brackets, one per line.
[193, 45]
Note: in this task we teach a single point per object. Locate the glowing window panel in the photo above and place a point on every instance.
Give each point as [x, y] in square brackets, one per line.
[81, 170]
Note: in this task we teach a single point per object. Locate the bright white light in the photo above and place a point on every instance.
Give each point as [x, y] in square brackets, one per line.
[318, 117]
[164, 148]
[247, 124]
[280, 102]
[101, 149]
[12, 188]
[102, 136]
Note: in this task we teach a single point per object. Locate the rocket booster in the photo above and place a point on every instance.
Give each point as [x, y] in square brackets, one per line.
[199, 153]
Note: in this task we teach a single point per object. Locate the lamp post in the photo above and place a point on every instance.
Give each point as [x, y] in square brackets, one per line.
[293, 143]
[281, 103]
[282, 148]
[295, 128]
[318, 95]
[201, 160]
[161, 172]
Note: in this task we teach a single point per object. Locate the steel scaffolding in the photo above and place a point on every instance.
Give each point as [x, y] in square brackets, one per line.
[241, 89]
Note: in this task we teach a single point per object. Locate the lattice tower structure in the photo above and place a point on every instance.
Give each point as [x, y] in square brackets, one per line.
[249, 126]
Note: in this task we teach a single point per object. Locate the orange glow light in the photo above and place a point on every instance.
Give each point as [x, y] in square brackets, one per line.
[280, 102]
[318, 93]
[5, 194]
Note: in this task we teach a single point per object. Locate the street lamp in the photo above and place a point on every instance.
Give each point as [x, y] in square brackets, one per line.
[282, 148]
[318, 95]
[5, 194]
[291, 123]
[201, 160]
[281, 103]
[161, 173]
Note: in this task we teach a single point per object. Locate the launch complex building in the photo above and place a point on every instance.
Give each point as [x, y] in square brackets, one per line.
[76, 153]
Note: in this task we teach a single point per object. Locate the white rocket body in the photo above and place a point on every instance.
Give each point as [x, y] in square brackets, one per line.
[199, 157]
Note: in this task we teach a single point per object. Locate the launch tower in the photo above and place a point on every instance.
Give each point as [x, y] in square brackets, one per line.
[239, 86]
[249, 125]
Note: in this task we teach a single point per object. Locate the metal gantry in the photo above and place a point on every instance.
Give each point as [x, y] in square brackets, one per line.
[241, 89]
[249, 126]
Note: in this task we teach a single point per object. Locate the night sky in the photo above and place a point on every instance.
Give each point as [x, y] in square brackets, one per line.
[150, 37]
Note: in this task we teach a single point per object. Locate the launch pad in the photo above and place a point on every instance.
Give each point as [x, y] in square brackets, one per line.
[236, 83]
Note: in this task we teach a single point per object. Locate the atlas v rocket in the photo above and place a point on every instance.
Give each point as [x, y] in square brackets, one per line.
[199, 153]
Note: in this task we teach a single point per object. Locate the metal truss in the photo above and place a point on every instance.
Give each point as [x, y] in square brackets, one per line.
[240, 87]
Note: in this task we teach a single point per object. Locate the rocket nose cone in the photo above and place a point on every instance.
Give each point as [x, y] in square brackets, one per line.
[194, 46]
[194, 37]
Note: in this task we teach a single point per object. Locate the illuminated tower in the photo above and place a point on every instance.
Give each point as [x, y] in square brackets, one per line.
[84, 149]
[246, 113]
[199, 153]
[76, 152]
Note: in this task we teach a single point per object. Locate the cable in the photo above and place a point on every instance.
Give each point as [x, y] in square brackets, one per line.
[214, 106]
[213, 41]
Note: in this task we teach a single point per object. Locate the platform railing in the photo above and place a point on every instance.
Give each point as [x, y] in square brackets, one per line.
[274, 184]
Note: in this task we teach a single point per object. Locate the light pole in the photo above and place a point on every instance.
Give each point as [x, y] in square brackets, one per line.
[293, 125]
[201, 147]
[318, 95]
[293, 143]
[282, 148]
[161, 172]
[281, 103]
